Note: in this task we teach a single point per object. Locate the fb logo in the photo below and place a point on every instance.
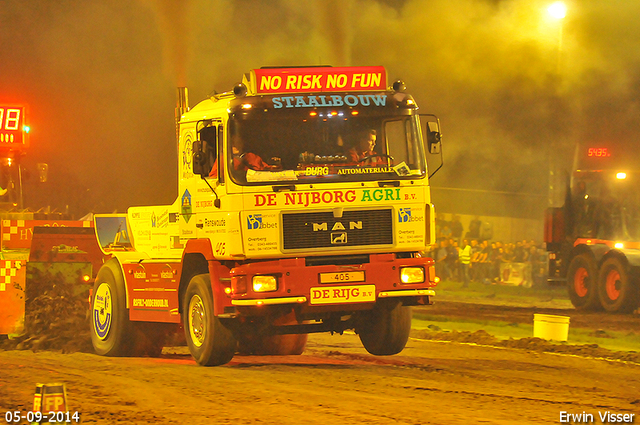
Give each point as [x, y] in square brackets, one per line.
[254, 221]
[404, 215]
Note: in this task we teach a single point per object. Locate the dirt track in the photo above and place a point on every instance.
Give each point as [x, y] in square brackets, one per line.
[516, 314]
[334, 382]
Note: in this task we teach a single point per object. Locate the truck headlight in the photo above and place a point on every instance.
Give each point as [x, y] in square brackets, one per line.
[412, 274]
[265, 283]
[239, 285]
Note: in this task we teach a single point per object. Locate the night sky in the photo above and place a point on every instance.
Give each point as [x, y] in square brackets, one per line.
[99, 79]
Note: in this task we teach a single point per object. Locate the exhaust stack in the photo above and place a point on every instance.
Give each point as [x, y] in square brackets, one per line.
[182, 106]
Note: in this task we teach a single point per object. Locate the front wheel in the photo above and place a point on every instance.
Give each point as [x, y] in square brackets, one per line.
[385, 329]
[617, 291]
[209, 341]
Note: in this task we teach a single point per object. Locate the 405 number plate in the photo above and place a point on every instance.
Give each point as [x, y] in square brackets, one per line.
[342, 277]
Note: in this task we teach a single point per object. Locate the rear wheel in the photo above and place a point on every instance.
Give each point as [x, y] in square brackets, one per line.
[582, 283]
[617, 292]
[148, 338]
[110, 326]
[209, 341]
[274, 345]
[385, 329]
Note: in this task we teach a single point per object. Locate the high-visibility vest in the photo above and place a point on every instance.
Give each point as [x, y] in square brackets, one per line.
[465, 255]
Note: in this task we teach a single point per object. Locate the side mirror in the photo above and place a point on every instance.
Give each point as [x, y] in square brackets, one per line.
[434, 137]
[199, 159]
[204, 150]
[430, 126]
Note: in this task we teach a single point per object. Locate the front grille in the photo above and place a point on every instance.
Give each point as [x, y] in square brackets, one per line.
[323, 230]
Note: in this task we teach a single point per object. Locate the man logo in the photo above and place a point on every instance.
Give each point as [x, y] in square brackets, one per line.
[254, 221]
[404, 215]
[337, 226]
[319, 226]
[339, 238]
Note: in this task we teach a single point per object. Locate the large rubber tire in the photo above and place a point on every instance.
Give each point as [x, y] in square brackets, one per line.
[209, 341]
[273, 345]
[618, 293]
[582, 283]
[148, 338]
[384, 331]
[110, 326]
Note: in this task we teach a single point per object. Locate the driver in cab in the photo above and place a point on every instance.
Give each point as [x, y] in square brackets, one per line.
[363, 153]
[242, 161]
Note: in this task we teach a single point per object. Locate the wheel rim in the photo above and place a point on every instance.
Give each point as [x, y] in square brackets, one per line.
[579, 279]
[102, 311]
[197, 321]
[613, 284]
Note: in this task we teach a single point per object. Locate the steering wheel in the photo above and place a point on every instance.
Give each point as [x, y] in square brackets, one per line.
[377, 155]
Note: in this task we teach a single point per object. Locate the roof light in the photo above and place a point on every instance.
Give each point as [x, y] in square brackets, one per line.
[399, 86]
[240, 90]
[618, 245]
[354, 112]
[621, 176]
[313, 113]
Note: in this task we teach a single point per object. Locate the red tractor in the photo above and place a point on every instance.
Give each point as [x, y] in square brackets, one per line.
[594, 239]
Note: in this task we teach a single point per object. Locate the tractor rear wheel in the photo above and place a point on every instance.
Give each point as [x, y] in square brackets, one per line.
[582, 283]
[618, 293]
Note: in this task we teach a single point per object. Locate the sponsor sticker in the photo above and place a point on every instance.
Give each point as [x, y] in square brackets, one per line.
[343, 294]
[186, 206]
[102, 311]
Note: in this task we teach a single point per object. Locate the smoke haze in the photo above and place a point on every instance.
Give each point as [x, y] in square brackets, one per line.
[512, 90]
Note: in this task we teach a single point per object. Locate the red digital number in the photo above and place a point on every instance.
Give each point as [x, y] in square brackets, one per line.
[12, 121]
[598, 152]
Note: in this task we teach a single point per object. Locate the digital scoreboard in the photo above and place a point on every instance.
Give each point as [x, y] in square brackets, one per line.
[12, 128]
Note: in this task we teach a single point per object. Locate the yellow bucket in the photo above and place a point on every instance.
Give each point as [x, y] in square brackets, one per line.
[548, 326]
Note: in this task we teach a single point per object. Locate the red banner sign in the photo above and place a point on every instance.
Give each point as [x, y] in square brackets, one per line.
[325, 79]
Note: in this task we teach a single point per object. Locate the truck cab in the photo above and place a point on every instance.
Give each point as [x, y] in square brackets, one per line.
[303, 206]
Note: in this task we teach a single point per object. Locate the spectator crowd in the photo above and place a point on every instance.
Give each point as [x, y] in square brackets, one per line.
[475, 257]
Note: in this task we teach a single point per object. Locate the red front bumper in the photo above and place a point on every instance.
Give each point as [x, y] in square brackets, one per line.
[300, 284]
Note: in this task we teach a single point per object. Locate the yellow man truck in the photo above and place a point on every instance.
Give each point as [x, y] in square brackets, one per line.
[303, 207]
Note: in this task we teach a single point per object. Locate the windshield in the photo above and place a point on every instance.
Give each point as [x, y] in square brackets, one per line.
[324, 146]
[606, 205]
